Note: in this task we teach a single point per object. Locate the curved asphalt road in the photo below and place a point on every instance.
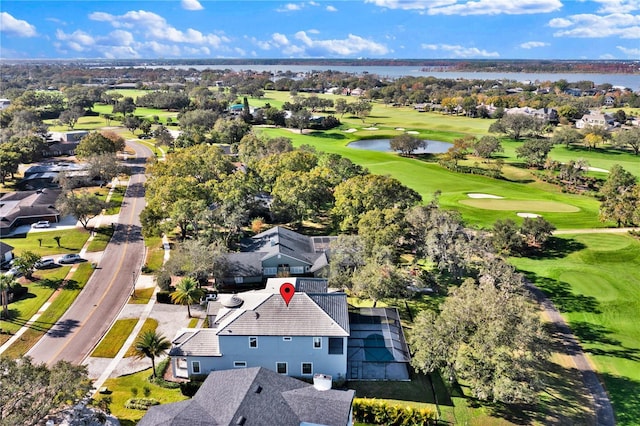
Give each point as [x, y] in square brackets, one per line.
[74, 336]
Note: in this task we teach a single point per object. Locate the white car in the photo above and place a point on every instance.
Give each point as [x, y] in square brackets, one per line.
[45, 263]
[13, 272]
[70, 258]
[41, 224]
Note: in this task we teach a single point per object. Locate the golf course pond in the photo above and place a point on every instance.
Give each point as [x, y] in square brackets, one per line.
[433, 147]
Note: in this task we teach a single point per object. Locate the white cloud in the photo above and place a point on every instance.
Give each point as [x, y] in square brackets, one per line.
[457, 51]
[618, 6]
[607, 56]
[631, 52]
[411, 4]
[352, 45]
[280, 39]
[77, 40]
[191, 5]
[497, 7]
[559, 23]
[472, 7]
[533, 44]
[290, 7]
[331, 9]
[594, 26]
[18, 27]
[155, 27]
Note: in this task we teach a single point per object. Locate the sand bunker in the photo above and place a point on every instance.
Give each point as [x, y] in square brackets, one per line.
[597, 169]
[370, 128]
[528, 215]
[400, 129]
[350, 130]
[412, 132]
[474, 195]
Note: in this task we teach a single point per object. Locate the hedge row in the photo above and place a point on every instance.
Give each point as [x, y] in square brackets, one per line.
[140, 403]
[376, 412]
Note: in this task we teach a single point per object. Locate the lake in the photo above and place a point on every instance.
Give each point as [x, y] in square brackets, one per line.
[433, 147]
[396, 71]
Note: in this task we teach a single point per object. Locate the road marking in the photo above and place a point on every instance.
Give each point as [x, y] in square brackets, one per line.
[111, 283]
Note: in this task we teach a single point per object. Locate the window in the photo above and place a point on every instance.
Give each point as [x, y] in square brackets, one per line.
[286, 338]
[195, 367]
[336, 345]
[281, 367]
[253, 342]
[239, 364]
[317, 342]
[307, 368]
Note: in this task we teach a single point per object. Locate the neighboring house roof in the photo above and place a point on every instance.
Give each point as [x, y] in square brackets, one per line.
[278, 241]
[254, 396]
[27, 205]
[303, 284]
[5, 248]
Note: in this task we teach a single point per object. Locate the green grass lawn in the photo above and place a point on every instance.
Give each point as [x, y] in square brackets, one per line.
[150, 324]
[120, 389]
[426, 177]
[114, 339]
[155, 254]
[101, 238]
[593, 279]
[117, 195]
[53, 313]
[39, 290]
[71, 241]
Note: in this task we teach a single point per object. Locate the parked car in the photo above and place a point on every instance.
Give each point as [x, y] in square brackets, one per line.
[14, 272]
[70, 258]
[41, 224]
[45, 263]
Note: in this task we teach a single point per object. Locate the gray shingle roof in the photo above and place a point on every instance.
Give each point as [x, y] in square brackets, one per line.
[279, 240]
[259, 396]
[302, 317]
[200, 342]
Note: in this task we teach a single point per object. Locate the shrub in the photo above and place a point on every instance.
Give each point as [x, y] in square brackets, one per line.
[190, 388]
[164, 297]
[379, 412]
[140, 403]
[163, 280]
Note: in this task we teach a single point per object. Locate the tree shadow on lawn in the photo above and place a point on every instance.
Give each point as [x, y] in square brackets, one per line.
[560, 294]
[625, 397]
[592, 333]
[557, 248]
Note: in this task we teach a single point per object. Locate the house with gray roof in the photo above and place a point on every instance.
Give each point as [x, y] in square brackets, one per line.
[258, 328]
[27, 207]
[316, 332]
[277, 252]
[256, 396]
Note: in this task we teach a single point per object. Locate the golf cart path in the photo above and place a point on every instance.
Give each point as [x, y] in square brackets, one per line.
[602, 405]
[595, 231]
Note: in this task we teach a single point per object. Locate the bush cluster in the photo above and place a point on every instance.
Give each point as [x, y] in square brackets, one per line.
[140, 403]
[372, 411]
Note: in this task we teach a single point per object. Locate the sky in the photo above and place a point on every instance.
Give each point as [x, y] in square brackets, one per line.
[386, 29]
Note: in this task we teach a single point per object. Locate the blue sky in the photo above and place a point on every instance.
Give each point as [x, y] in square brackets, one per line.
[429, 29]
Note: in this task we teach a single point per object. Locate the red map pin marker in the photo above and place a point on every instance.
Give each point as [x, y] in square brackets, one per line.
[287, 290]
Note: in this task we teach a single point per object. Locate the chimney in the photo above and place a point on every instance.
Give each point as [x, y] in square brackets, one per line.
[322, 382]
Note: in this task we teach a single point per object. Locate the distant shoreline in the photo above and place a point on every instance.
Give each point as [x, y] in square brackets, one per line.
[426, 65]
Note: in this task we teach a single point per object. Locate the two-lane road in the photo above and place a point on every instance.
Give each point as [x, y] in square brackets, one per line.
[96, 307]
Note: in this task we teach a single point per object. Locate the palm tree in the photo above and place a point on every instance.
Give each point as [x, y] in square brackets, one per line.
[187, 293]
[151, 344]
[6, 282]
